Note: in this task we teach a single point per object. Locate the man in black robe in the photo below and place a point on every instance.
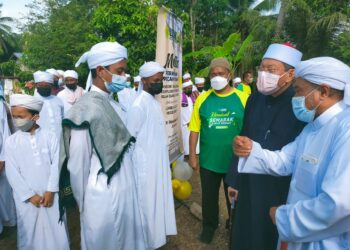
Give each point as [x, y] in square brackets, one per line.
[269, 120]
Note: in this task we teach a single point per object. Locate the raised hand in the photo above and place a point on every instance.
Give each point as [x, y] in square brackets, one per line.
[242, 146]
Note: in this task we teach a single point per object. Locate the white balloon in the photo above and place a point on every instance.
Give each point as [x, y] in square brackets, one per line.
[182, 171]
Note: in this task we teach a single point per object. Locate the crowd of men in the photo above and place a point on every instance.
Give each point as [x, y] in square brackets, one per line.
[278, 146]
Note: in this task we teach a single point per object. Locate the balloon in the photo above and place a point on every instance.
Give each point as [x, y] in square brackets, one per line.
[182, 171]
[182, 189]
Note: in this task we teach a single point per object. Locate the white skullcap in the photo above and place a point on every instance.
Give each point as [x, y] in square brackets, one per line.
[53, 72]
[150, 69]
[237, 80]
[199, 80]
[26, 101]
[61, 72]
[186, 84]
[328, 71]
[186, 76]
[70, 73]
[137, 78]
[283, 53]
[127, 75]
[103, 54]
[42, 76]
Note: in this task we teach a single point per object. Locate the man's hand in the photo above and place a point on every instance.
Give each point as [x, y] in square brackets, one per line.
[47, 199]
[36, 200]
[242, 146]
[193, 161]
[232, 194]
[273, 214]
[2, 166]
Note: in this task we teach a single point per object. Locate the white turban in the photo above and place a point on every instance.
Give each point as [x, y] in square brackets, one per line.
[150, 69]
[42, 76]
[328, 71]
[26, 101]
[137, 78]
[70, 73]
[102, 54]
[284, 53]
[187, 84]
[199, 80]
[53, 72]
[186, 76]
[237, 80]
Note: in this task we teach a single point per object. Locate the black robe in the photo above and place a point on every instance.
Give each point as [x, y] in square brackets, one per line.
[269, 121]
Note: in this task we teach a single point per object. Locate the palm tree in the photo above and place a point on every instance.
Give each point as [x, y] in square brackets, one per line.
[7, 39]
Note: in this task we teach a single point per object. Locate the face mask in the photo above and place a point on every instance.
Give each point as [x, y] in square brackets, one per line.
[300, 110]
[55, 82]
[250, 80]
[60, 82]
[71, 86]
[117, 84]
[218, 82]
[188, 92]
[268, 83]
[44, 91]
[156, 88]
[128, 84]
[200, 89]
[23, 124]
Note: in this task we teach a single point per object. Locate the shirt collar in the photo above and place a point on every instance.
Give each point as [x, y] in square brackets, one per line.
[326, 116]
[103, 93]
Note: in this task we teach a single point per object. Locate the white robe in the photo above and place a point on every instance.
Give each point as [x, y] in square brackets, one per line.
[186, 113]
[109, 214]
[7, 205]
[32, 168]
[51, 114]
[69, 97]
[317, 213]
[126, 97]
[151, 160]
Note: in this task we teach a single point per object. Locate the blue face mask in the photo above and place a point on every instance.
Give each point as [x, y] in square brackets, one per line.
[300, 110]
[117, 84]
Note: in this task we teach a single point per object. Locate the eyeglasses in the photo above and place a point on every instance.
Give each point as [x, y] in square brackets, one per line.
[271, 70]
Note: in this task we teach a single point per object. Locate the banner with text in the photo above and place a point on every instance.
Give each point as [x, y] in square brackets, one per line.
[169, 54]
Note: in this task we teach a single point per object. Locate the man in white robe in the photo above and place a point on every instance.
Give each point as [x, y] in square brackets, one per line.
[52, 112]
[72, 92]
[145, 122]
[200, 84]
[187, 104]
[317, 213]
[7, 205]
[127, 96]
[137, 80]
[31, 156]
[106, 195]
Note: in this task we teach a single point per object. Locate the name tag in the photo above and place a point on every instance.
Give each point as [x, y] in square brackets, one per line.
[310, 159]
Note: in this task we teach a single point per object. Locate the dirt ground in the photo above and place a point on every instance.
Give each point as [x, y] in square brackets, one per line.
[188, 226]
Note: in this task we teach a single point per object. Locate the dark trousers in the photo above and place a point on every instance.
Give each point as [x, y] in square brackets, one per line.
[211, 182]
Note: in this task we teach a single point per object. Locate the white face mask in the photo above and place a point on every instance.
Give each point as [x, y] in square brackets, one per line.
[267, 83]
[23, 124]
[218, 82]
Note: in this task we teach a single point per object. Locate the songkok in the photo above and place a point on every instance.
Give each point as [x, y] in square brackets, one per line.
[199, 80]
[42, 76]
[70, 73]
[186, 76]
[150, 69]
[220, 62]
[137, 79]
[53, 72]
[103, 54]
[26, 101]
[284, 53]
[328, 71]
[61, 72]
[187, 84]
[237, 80]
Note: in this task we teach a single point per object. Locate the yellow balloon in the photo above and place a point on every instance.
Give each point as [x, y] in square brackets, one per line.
[175, 184]
[183, 192]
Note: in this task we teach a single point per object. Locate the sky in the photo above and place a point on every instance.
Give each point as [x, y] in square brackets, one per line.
[15, 9]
